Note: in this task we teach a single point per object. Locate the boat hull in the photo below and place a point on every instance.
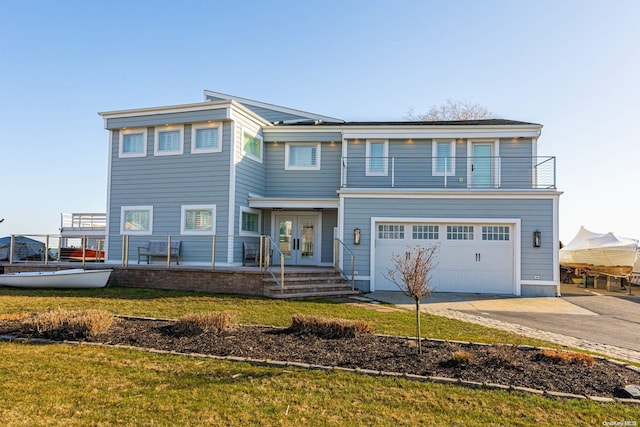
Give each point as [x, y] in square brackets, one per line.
[600, 253]
[64, 279]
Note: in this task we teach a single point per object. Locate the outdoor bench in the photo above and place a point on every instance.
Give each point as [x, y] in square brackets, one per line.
[158, 248]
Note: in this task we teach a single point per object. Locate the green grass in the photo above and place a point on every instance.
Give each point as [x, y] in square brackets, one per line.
[60, 384]
[251, 310]
[68, 385]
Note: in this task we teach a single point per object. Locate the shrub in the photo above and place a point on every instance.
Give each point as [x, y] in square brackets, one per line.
[70, 323]
[557, 356]
[213, 321]
[328, 328]
[13, 316]
[461, 358]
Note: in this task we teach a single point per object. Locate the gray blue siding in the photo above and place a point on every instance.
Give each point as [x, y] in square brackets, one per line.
[303, 183]
[535, 215]
[171, 118]
[167, 183]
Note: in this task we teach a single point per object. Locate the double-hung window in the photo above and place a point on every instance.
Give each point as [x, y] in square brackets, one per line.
[249, 221]
[206, 138]
[252, 145]
[377, 153]
[302, 156]
[198, 219]
[168, 140]
[136, 220]
[133, 143]
[444, 157]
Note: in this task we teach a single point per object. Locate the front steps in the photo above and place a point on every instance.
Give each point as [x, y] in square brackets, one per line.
[308, 283]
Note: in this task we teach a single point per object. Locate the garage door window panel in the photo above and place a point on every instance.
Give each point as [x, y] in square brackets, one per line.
[460, 232]
[390, 231]
[426, 232]
[496, 232]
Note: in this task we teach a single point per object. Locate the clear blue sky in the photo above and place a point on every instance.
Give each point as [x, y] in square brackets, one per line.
[573, 66]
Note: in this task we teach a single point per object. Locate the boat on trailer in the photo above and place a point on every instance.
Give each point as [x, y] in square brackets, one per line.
[604, 254]
[76, 278]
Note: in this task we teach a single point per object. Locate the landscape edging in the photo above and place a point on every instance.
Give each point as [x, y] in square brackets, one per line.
[370, 372]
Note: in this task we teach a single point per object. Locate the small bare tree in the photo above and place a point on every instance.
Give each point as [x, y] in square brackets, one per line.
[411, 273]
[452, 110]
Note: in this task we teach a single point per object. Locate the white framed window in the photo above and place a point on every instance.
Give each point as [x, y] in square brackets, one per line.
[169, 141]
[495, 232]
[443, 157]
[302, 156]
[252, 145]
[198, 220]
[390, 231]
[460, 232]
[136, 220]
[133, 142]
[377, 154]
[426, 232]
[206, 137]
[250, 220]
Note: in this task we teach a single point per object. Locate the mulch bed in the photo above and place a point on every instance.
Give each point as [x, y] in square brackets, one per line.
[497, 364]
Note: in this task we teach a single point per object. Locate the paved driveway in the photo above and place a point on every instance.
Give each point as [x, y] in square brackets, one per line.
[595, 316]
[614, 318]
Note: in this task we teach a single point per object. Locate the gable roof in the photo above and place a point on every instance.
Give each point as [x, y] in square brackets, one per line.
[259, 104]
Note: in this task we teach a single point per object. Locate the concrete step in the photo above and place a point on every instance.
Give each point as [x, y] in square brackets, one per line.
[306, 279]
[320, 287]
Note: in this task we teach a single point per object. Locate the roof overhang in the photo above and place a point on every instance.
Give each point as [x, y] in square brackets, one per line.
[183, 108]
[293, 203]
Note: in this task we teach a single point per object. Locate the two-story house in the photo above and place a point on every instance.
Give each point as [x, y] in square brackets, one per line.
[236, 168]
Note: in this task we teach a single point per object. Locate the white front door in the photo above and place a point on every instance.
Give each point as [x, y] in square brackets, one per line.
[298, 239]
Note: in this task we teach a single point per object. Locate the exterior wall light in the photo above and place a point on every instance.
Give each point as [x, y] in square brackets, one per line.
[356, 236]
[537, 239]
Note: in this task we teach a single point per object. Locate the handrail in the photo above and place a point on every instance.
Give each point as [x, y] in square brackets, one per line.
[271, 245]
[510, 172]
[336, 261]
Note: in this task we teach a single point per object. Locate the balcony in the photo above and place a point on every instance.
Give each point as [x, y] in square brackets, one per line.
[481, 173]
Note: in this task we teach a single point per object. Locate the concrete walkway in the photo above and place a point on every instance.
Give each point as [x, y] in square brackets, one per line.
[520, 316]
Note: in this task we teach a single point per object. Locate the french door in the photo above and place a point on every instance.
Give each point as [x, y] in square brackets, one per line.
[298, 239]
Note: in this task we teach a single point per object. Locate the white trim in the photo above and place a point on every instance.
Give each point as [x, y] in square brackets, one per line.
[555, 242]
[341, 231]
[287, 157]
[495, 163]
[108, 201]
[209, 232]
[270, 106]
[452, 158]
[252, 134]
[147, 111]
[517, 247]
[232, 194]
[381, 131]
[258, 212]
[207, 125]
[127, 131]
[369, 193]
[168, 128]
[385, 157]
[292, 203]
[148, 232]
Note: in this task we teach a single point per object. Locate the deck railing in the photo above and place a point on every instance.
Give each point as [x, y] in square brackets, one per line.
[78, 221]
[503, 172]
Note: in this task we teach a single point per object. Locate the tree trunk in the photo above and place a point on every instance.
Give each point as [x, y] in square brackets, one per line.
[418, 327]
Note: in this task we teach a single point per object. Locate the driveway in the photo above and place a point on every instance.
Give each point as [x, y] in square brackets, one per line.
[593, 319]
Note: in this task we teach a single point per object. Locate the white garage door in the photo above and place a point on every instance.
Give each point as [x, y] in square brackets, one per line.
[476, 258]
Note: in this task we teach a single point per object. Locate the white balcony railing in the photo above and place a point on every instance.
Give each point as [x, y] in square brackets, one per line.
[516, 173]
